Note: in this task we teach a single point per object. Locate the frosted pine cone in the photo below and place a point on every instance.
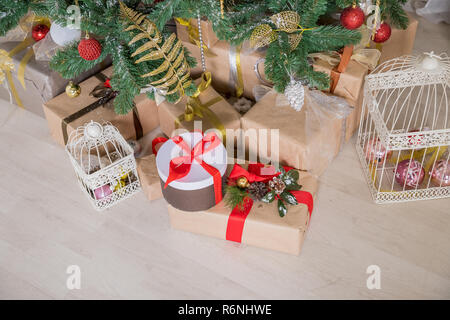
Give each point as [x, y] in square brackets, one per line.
[295, 93]
[257, 190]
[277, 185]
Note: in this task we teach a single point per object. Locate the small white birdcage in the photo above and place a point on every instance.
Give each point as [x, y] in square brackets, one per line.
[104, 163]
[404, 135]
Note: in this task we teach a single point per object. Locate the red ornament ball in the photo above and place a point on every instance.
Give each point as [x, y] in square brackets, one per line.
[383, 33]
[39, 32]
[89, 49]
[352, 18]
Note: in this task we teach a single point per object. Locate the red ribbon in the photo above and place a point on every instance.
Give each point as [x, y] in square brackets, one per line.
[157, 141]
[107, 83]
[181, 166]
[238, 215]
[257, 172]
[236, 220]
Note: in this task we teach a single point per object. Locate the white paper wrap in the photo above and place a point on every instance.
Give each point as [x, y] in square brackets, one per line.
[197, 178]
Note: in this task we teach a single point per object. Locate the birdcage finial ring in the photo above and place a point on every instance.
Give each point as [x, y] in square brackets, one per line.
[93, 130]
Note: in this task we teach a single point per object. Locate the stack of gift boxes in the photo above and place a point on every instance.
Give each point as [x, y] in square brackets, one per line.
[32, 82]
[196, 193]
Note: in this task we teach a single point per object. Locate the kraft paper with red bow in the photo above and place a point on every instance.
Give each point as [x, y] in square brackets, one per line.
[148, 172]
[263, 227]
[256, 173]
[180, 166]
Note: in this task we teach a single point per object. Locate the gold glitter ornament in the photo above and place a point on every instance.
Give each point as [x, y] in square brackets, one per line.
[242, 182]
[286, 21]
[73, 90]
[262, 35]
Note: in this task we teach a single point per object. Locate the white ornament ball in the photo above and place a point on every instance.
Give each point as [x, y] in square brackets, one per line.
[93, 130]
[64, 35]
[429, 63]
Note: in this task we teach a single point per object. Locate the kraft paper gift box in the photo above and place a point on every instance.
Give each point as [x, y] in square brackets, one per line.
[148, 172]
[148, 176]
[187, 31]
[65, 114]
[308, 139]
[228, 117]
[40, 83]
[223, 61]
[349, 86]
[400, 43]
[263, 226]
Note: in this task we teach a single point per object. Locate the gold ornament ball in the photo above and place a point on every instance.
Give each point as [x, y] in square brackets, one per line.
[242, 182]
[73, 90]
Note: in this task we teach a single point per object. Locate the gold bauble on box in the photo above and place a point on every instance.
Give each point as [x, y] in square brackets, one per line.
[242, 182]
[73, 90]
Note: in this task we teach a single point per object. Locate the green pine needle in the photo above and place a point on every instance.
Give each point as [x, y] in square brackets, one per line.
[234, 196]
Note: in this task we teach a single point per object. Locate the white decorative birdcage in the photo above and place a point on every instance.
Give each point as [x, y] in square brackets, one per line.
[404, 135]
[104, 164]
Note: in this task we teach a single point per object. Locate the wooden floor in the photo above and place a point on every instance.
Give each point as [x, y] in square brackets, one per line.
[130, 252]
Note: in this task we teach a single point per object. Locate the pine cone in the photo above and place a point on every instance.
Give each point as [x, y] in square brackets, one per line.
[277, 185]
[257, 190]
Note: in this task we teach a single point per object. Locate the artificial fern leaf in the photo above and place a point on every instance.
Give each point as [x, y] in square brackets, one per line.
[171, 71]
[162, 67]
[174, 90]
[138, 37]
[178, 61]
[143, 48]
[153, 55]
[168, 75]
[168, 43]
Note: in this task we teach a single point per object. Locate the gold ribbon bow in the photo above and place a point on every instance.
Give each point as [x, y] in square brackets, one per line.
[6, 65]
[194, 107]
[26, 24]
[236, 77]
[286, 21]
[194, 36]
[367, 57]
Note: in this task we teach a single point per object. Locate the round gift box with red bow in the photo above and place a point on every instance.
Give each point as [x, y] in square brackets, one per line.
[192, 169]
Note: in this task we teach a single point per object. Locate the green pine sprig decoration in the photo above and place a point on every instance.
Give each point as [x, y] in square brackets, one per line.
[235, 196]
[288, 180]
[243, 16]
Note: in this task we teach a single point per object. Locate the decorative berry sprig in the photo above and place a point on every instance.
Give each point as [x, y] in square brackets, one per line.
[265, 188]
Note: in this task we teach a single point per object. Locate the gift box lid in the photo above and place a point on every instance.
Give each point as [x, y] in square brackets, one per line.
[198, 177]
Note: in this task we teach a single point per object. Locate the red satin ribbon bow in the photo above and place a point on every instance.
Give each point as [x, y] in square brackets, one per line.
[236, 220]
[257, 172]
[156, 142]
[181, 166]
